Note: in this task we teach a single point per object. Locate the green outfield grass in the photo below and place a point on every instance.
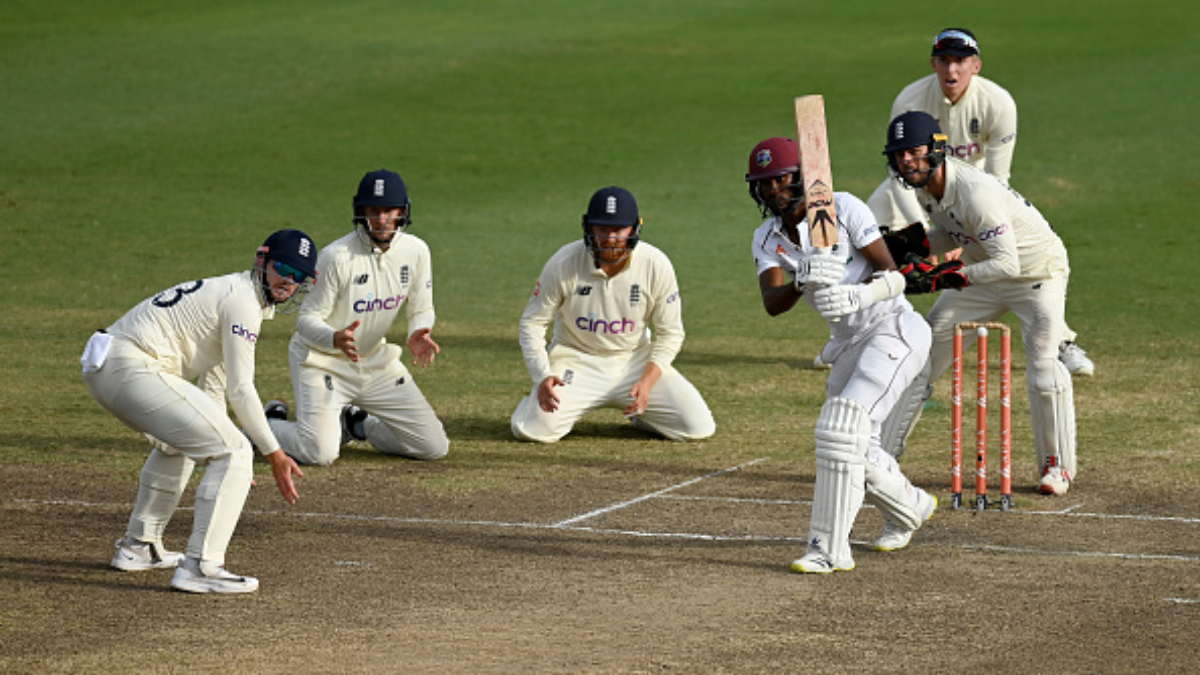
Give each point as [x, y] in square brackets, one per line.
[144, 145]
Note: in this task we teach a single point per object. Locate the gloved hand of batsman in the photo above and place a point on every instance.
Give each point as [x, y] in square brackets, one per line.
[820, 269]
[921, 276]
[842, 299]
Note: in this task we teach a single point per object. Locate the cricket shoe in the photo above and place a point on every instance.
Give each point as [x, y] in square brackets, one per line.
[276, 409]
[190, 577]
[354, 426]
[819, 364]
[816, 562]
[1075, 359]
[1055, 480]
[895, 536]
[135, 556]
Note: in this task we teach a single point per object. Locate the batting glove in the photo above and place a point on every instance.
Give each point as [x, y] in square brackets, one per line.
[839, 300]
[820, 269]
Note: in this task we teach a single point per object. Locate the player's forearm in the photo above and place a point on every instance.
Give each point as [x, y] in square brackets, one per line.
[315, 331]
[247, 407]
[421, 320]
[668, 341]
[1002, 263]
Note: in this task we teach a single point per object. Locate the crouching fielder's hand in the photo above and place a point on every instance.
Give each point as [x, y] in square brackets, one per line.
[835, 301]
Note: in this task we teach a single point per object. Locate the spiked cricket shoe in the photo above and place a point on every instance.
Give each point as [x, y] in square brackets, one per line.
[816, 562]
[135, 556]
[191, 577]
[895, 536]
[1055, 481]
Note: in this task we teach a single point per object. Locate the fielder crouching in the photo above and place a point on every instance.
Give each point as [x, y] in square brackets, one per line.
[1012, 262]
[166, 369]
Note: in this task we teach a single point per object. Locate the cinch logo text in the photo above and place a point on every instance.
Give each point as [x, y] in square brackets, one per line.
[243, 333]
[377, 304]
[964, 239]
[963, 151]
[615, 327]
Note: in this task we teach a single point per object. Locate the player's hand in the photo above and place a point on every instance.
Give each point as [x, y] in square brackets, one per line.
[908, 240]
[423, 348]
[820, 269]
[283, 468]
[344, 341]
[835, 301]
[547, 399]
[923, 277]
[640, 392]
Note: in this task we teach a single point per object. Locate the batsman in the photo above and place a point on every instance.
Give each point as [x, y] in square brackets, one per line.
[879, 344]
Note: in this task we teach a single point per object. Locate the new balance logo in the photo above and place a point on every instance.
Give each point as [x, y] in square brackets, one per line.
[583, 290]
[362, 279]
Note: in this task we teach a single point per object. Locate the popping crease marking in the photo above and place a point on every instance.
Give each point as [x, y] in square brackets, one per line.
[651, 495]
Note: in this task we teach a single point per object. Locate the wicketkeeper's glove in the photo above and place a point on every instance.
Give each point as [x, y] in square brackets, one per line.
[910, 240]
[921, 276]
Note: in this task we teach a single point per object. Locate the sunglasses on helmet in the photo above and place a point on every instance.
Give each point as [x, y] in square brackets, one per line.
[952, 39]
[288, 272]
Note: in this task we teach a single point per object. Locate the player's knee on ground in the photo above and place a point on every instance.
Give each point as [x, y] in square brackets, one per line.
[533, 431]
[688, 428]
[428, 442]
[315, 449]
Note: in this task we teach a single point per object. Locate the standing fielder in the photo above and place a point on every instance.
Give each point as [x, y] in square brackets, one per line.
[603, 296]
[879, 344]
[979, 118]
[1012, 261]
[342, 365]
[142, 369]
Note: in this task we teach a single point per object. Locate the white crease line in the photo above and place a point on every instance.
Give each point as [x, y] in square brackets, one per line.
[686, 535]
[1078, 554]
[1182, 601]
[1069, 512]
[631, 502]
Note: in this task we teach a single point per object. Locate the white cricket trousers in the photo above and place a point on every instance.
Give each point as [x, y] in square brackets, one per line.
[875, 368]
[401, 421]
[675, 409]
[186, 427]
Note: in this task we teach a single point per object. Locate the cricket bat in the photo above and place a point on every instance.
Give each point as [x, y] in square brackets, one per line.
[814, 167]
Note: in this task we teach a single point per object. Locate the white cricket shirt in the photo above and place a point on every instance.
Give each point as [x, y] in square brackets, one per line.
[982, 126]
[359, 282]
[208, 327]
[1002, 235]
[601, 315]
[856, 229]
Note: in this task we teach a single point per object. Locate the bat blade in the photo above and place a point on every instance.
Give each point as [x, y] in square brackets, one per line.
[821, 213]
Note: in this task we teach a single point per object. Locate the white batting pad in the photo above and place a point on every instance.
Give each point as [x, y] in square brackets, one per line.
[1052, 407]
[842, 434]
[888, 490]
[903, 418]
